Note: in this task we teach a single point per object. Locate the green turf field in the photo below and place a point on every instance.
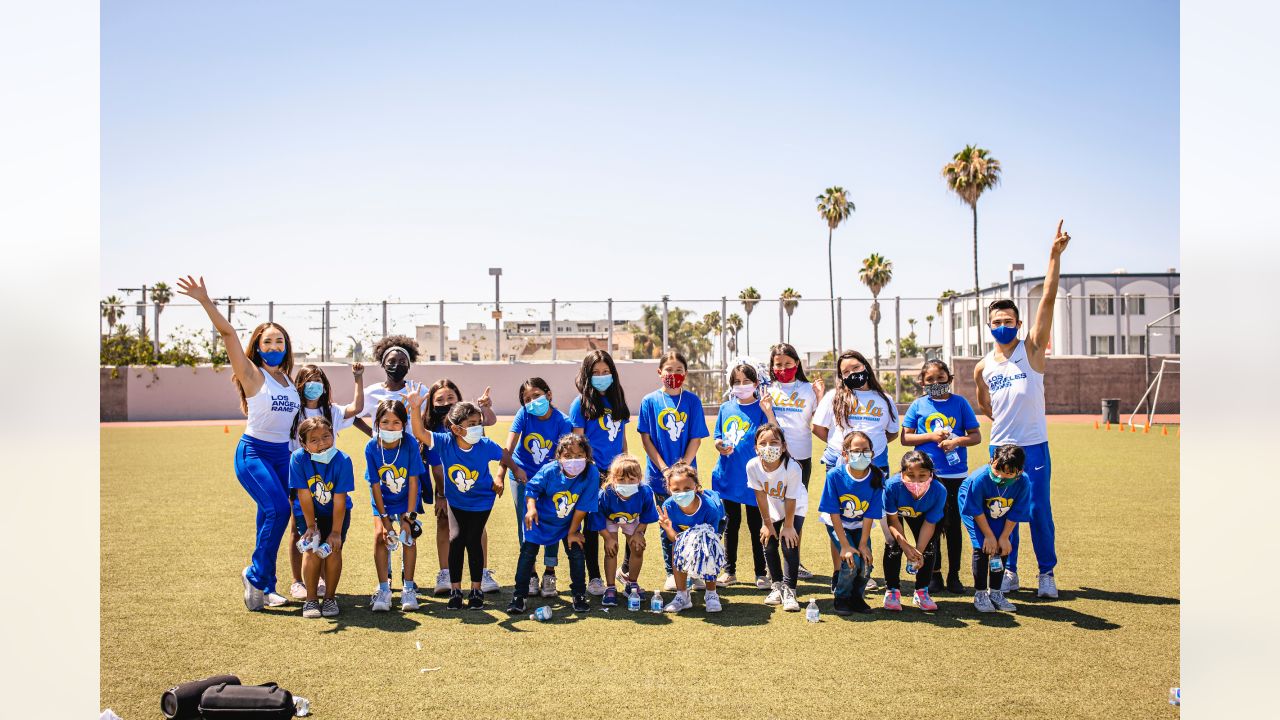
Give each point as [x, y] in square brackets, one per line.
[177, 529]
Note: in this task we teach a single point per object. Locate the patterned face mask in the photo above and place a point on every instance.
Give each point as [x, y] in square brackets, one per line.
[770, 453]
[934, 390]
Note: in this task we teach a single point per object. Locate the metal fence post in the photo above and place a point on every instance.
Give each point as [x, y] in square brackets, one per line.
[442, 357]
[782, 337]
[839, 327]
[327, 351]
[384, 318]
[665, 319]
[897, 341]
[554, 334]
[271, 311]
[610, 346]
[724, 330]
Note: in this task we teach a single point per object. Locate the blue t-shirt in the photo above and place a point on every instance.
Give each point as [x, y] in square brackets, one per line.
[604, 435]
[927, 415]
[710, 511]
[322, 479]
[898, 500]
[670, 424]
[852, 499]
[979, 495]
[391, 469]
[736, 425]
[557, 497]
[537, 438]
[468, 484]
[612, 508]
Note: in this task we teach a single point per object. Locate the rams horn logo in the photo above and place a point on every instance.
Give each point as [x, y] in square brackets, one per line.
[908, 511]
[538, 447]
[937, 421]
[463, 478]
[852, 507]
[609, 425]
[624, 518]
[319, 490]
[998, 506]
[734, 429]
[672, 421]
[393, 477]
[564, 502]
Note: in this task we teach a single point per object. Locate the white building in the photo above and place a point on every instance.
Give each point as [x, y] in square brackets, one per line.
[1095, 314]
[525, 341]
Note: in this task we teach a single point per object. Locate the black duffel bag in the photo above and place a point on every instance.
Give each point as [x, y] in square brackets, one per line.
[261, 702]
[182, 702]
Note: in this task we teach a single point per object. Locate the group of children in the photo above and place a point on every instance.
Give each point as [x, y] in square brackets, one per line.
[573, 482]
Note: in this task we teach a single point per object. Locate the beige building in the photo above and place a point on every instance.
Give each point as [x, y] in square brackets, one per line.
[525, 341]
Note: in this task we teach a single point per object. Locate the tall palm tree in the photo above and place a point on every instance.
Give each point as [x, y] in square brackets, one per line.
[835, 207]
[161, 294]
[971, 172]
[733, 324]
[112, 310]
[876, 272]
[749, 297]
[790, 299]
[710, 325]
[929, 319]
[912, 323]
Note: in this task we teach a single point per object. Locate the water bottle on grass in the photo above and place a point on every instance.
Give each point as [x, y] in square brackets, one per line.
[811, 612]
[542, 614]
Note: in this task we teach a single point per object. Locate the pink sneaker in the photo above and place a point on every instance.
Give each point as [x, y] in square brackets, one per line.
[922, 600]
[893, 600]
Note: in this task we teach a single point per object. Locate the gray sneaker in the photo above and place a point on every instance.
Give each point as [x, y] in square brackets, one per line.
[549, 589]
[381, 601]
[253, 598]
[998, 599]
[789, 602]
[595, 587]
[311, 609]
[1048, 587]
[329, 607]
[1010, 582]
[489, 584]
[533, 584]
[982, 602]
[775, 595]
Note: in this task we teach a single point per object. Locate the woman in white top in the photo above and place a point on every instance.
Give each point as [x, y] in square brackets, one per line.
[269, 401]
[396, 355]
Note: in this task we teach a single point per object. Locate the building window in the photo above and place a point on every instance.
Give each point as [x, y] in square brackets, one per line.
[1177, 301]
[1177, 344]
[1102, 345]
[1102, 305]
[1136, 345]
[1134, 305]
[973, 351]
[973, 318]
[957, 321]
[431, 358]
[957, 351]
[475, 357]
[453, 356]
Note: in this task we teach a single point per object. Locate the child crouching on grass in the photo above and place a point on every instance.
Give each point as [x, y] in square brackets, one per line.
[323, 479]
[691, 519]
[993, 500]
[626, 506]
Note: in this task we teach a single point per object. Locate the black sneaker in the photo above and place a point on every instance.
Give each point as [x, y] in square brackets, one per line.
[475, 600]
[842, 606]
[859, 605]
[455, 600]
[580, 603]
[516, 606]
[954, 585]
[935, 584]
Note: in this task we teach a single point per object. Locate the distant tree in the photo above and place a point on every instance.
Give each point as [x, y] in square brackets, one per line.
[876, 272]
[749, 297]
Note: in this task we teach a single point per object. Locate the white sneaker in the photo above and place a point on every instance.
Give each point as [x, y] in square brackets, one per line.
[621, 576]
[775, 595]
[298, 590]
[680, 602]
[871, 585]
[273, 599]
[409, 599]
[1048, 587]
[443, 584]
[320, 588]
[1010, 582]
[253, 599]
[381, 601]
[595, 587]
[762, 582]
[533, 585]
[712, 601]
[549, 586]
[982, 601]
[698, 583]
[726, 579]
[487, 582]
[789, 602]
[670, 584]
[998, 599]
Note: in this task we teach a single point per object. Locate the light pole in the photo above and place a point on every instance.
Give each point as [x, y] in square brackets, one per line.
[1015, 266]
[497, 313]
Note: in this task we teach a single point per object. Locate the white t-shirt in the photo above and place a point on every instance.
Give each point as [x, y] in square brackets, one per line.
[378, 392]
[337, 413]
[779, 486]
[793, 406]
[870, 415]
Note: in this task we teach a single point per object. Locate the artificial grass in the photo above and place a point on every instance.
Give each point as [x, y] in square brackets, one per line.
[177, 529]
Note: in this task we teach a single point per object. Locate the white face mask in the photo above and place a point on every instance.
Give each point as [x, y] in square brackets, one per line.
[770, 453]
[390, 436]
[573, 466]
[859, 460]
[626, 491]
[744, 392]
[474, 434]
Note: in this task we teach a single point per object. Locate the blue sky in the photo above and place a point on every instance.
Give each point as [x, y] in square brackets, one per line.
[307, 151]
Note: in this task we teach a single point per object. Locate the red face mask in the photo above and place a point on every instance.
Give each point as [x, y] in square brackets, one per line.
[787, 375]
[673, 381]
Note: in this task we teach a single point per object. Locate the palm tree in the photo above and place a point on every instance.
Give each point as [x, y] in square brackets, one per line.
[790, 299]
[835, 207]
[749, 298]
[875, 274]
[682, 334]
[970, 173]
[929, 319]
[112, 309]
[912, 323]
[734, 324]
[710, 325]
[161, 294]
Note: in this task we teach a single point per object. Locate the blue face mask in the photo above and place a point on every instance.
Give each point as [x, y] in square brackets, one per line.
[538, 406]
[271, 358]
[859, 461]
[1004, 334]
[684, 499]
[601, 382]
[390, 436]
[326, 456]
[312, 390]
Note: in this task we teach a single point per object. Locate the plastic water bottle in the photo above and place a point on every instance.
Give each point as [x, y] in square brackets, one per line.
[811, 612]
[911, 568]
[633, 601]
[301, 706]
[997, 565]
[406, 538]
[392, 542]
[953, 457]
[655, 602]
[542, 614]
[324, 550]
[304, 545]
[1175, 696]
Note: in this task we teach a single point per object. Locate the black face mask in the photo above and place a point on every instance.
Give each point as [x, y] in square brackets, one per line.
[856, 380]
[439, 411]
[396, 372]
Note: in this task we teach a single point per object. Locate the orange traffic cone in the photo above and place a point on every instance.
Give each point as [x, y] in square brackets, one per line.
[226, 430]
[1164, 430]
[1095, 424]
[1108, 426]
[1133, 428]
[1146, 429]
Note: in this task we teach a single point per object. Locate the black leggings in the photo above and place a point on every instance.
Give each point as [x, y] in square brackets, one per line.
[529, 555]
[470, 526]
[733, 513]
[951, 528]
[893, 558]
[806, 467]
[982, 573]
[786, 566]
